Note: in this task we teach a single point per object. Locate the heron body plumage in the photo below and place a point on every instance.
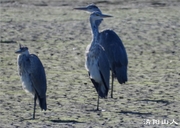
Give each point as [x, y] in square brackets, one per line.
[96, 64]
[23, 64]
[33, 76]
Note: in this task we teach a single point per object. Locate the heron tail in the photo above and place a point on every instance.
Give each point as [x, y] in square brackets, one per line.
[42, 103]
[101, 89]
[121, 74]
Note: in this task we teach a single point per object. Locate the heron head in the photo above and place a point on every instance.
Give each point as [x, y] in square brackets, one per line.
[89, 8]
[98, 15]
[22, 49]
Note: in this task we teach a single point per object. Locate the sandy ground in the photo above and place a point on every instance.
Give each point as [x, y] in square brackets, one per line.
[150, 31]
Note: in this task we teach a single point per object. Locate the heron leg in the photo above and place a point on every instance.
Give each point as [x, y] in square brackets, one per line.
[35, 97]
[98, 103]
[112, 85]
[98, 99]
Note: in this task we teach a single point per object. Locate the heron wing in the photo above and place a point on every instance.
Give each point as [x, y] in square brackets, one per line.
[114, 47]
[37, 75]
[116, 54]
[104, 70]
[104, 67]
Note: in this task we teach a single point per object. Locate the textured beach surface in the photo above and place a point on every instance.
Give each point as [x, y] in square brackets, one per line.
[51, 29]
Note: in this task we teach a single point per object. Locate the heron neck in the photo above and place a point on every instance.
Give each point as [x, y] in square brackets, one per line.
[25, 53]
[94, 29]
[98, 22]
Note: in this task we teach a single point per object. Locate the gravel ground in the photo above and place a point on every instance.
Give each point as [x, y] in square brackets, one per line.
[150, 31]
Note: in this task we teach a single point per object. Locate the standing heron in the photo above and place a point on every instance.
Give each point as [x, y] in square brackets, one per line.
[114, 49]
[96, 61]
[33, 76]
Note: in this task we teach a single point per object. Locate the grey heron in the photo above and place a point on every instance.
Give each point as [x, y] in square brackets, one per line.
[114, 49]
[96, 61]
[33, 76]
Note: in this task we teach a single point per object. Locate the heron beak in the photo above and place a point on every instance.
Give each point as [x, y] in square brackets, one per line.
[81, 8]
[18, 51]
[105, 16]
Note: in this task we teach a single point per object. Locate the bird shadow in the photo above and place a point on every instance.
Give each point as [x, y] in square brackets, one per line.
[27, 119]
[65, 121]
[8, 41]
[54, 121]
[95, 110]
[157, 101]
[135, 113]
